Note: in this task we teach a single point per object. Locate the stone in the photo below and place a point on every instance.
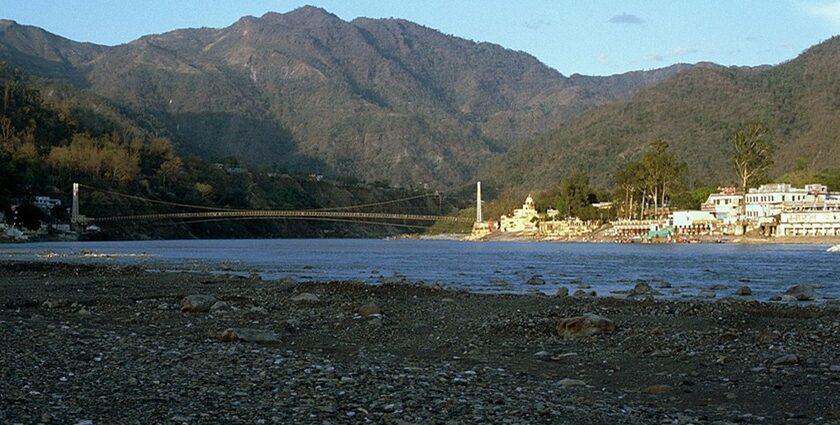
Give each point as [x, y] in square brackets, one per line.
[787, 359]
[775, 298]
[535, 280]
[562, 292]
[706, 293]
[586, 325]
[788, 298]
[220, 307]
[834, 368]
[55, 304]
[248, 335]
[542, 354]
[197, 303]
[568, 382]
[744, 291]
[83, 312]
[658, 389]
[306, 297]
[369, 309]
[642, 290]
[802, 292]
[663, 284]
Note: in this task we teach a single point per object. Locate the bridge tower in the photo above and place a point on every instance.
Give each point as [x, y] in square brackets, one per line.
[74, 211]
[478, 217]
[481, 228]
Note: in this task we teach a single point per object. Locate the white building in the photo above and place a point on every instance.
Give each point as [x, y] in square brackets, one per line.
[45, 202]
[810, 222]
[725, 204]
[523, 219]
[772, 199]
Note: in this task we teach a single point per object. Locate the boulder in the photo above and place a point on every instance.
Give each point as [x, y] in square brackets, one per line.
[535, 280]
[586, 325]
[706, 293]
[369, 309]
[744, 291]
[663, 284]
[580, 293]
[562, 292]
[642, 290]
[306, 297]
[197, 303]
[220, 307]
[802, 292]
[248, 335]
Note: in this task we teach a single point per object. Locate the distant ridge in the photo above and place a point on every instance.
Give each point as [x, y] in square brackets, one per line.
[378, 99]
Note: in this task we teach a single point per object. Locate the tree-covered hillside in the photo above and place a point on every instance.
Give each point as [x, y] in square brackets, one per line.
[52, 135]
[696, 111]
[378, 99]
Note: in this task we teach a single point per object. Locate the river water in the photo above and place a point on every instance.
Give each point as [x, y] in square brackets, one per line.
[476, 266]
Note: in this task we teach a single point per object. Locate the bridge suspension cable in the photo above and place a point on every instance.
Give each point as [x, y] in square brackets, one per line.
[225, 213]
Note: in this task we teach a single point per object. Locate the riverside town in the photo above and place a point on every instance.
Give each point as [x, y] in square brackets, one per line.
[771, 210]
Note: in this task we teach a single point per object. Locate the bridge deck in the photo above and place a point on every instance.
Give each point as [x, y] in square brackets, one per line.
[279, 214]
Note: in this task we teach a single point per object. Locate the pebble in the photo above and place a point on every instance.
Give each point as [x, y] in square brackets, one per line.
[197, 303]
[834, 368]
[306, 297]
[562, 292]
[248, 335]
[744, 291]
[706, 293]
[369, 309]
[535, 280]
[586, 325]
[569, 382]
[658, 389]
[787, 359]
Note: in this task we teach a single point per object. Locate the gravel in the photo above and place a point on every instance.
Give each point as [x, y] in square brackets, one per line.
[430, 355]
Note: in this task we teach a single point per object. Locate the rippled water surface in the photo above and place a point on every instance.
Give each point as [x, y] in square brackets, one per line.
[476, 266]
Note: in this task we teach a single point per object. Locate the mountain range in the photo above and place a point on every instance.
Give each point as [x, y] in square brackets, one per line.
[391, 100]
[377, 99]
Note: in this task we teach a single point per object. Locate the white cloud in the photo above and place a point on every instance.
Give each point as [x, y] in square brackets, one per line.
[626, 18]
[827, 10]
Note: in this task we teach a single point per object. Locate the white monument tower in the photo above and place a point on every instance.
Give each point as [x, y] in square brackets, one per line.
[478, 217]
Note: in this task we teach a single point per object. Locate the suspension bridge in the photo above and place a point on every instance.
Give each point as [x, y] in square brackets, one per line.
[202, 213]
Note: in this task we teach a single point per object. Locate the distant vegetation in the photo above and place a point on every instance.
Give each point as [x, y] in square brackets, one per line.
[45, 145]
[395, 103]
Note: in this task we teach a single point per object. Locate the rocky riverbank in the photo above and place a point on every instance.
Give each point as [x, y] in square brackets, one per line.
[98, 344]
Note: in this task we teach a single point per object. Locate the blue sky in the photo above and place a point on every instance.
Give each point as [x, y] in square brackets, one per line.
[584, 36]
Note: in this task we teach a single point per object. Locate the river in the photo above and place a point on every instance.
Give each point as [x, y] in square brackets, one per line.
[475, 266]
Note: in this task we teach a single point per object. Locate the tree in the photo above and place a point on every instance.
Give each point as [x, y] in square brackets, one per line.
[573, 196]
[661, 172]
[629, 180]
[28, 216]
[752, 155]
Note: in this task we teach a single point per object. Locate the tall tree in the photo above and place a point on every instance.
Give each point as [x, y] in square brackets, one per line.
[752, 155]
[573, 195]
[662, 172]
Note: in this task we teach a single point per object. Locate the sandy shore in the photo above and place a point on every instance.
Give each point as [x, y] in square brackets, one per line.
[111, 345]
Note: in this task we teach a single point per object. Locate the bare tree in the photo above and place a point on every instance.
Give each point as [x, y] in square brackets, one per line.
[752, 156]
